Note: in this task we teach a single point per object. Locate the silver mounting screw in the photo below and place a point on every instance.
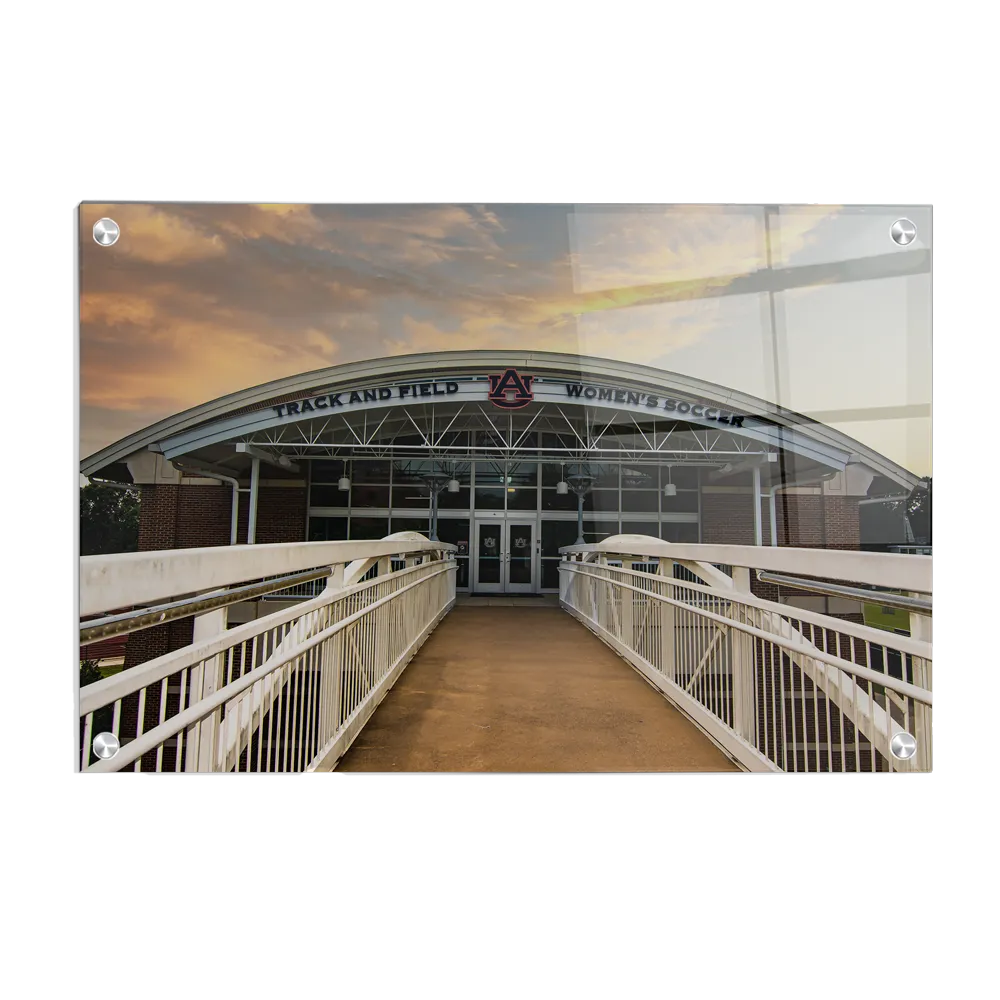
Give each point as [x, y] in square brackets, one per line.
[903, 232]
[106, 745]
[106, 232]
[902, 746]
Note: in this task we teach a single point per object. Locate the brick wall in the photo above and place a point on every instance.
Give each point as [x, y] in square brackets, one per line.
[188, 516]
[804, 521]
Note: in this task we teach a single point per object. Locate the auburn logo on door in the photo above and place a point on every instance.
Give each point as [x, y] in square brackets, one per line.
[511, 391]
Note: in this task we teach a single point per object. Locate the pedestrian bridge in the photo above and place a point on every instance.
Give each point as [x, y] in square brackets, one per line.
[653, 657]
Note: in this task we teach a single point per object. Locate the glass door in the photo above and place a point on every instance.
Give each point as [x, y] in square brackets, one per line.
[519, 558]
[489, 557]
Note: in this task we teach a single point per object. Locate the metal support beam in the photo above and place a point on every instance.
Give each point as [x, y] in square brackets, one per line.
[757, 531]
[254, 490]
[261, 455]
[774, 517]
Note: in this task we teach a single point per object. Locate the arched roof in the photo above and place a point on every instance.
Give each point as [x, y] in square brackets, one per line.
[225, 415]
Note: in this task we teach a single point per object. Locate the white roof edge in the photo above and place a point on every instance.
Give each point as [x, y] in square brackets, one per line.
[305, 382]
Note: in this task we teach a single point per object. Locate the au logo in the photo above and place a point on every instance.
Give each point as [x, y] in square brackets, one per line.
[511, 391]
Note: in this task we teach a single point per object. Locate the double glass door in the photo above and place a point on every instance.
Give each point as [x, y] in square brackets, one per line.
[505, 557]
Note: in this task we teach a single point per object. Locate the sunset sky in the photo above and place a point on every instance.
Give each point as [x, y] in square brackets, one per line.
[195, 301]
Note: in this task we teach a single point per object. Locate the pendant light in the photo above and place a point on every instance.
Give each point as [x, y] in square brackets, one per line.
[562, 487]
[669, 490]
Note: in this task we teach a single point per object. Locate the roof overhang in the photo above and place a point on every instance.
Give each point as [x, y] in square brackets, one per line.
[568, 382]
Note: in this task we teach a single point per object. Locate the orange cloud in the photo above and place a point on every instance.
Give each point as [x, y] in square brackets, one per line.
[153, 234]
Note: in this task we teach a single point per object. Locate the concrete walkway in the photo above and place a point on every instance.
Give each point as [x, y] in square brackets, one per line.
[525, 688]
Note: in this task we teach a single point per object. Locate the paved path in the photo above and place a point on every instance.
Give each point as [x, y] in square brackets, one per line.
[525, 689]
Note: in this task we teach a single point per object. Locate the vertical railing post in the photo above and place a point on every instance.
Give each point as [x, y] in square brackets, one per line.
[920, 628]
[667, 621]
[741, 662]
[628, 605]
[565, 580]
[206, 679]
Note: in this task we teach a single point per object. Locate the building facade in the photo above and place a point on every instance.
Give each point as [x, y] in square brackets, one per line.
[509, 455]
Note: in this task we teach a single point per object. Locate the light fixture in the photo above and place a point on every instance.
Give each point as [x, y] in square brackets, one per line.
[562, 487]
[669, 489]
[772, 456]
[453, 486]
[284, 461]
[343, 484]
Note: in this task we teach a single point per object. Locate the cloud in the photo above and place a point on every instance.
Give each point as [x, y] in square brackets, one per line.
[195, 301]
[636, 247]
[152, 234]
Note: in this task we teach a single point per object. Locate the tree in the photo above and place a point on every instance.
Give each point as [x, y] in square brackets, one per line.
[103, 718]
[916, 509]
[109, 519]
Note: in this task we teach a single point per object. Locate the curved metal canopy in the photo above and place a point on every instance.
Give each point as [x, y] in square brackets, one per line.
[594, 404]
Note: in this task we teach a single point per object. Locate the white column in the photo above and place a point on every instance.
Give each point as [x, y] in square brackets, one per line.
[774, 518]
[742, 664]
[757, 531]
[206, 679]
[627, 606]
[920, 628]
[667, 622]
[254, 486]
[234, 517]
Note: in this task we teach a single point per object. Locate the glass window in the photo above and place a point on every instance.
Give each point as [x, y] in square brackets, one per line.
[555, 534]
[327, 529]
[685, 502]
[327, 471]
[642, 500]
[490, 497]
[601, 501]
[328, 496]
[490, 474]
[522, 474]
[642, 477]
[420, 524]
[558, 501]
[370, 471]
[597, 531]
[684, 477]
[454, 501]
[641, 528]
[407, 471]
[550, 574]
[411, 495]
[363, 495]
[519, 498]
[607, 475]
[679, 531]
[559, 442]
[369, 527]
[455, 530]
[552, 473]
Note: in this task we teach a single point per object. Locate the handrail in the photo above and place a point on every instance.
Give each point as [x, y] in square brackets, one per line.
[110, 689]
[134, 621]
[130, 578]
[877, 569]
[203, 708]
[859, 593]
[902, 687]
[907, 644]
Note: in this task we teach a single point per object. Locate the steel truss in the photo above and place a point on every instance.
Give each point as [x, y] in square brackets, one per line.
[475, 430]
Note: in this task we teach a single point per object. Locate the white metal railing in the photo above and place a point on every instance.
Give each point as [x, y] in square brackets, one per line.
[288, 691]
[777, 687]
